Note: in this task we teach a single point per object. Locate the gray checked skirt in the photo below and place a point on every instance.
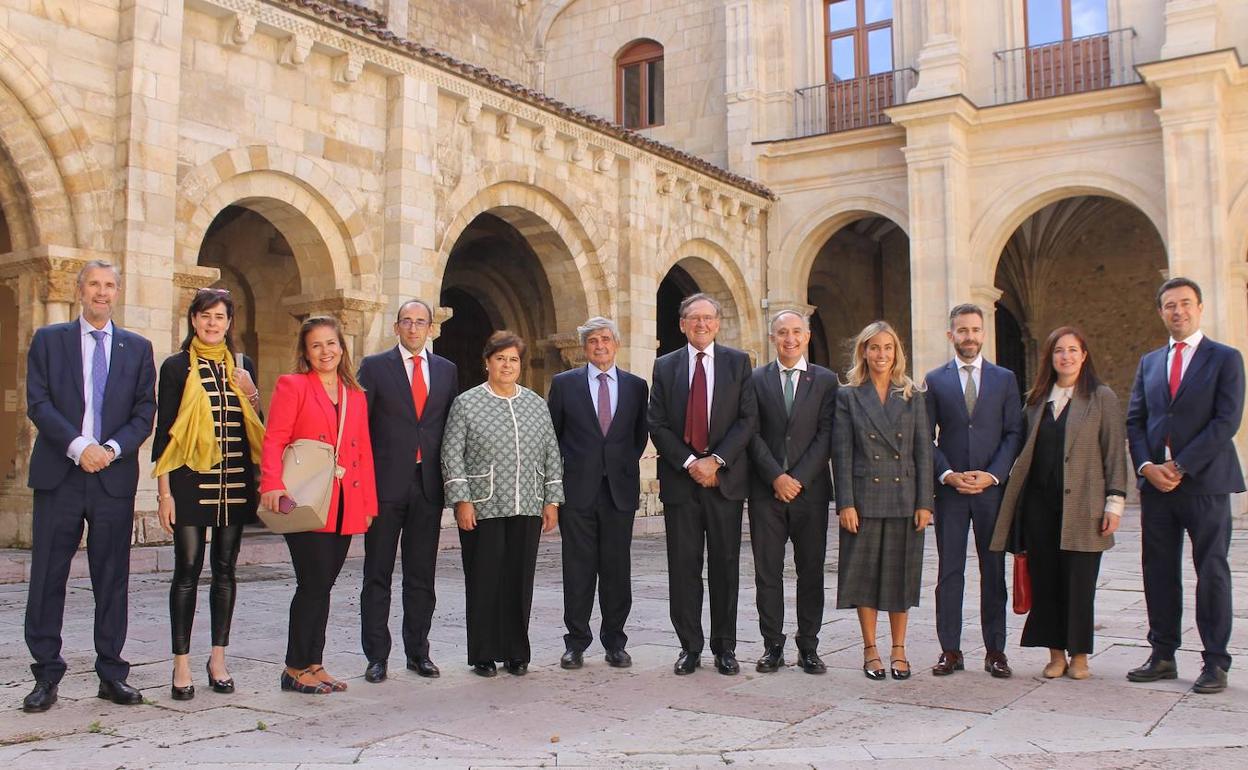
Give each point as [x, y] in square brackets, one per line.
[881, 566]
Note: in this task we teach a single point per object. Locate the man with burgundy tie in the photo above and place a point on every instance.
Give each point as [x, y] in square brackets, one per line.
[1185, 409]
[599, 414]
[91, 393]
[410, 391]
[702, 415]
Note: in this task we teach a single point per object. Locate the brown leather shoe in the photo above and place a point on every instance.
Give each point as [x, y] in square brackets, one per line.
[995, 663]
[950, 661]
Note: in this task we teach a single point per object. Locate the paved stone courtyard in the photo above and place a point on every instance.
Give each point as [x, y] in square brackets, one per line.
[603, 717]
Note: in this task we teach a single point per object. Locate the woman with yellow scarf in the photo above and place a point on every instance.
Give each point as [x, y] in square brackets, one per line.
[206, 450]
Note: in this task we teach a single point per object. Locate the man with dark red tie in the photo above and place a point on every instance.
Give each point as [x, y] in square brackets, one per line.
[1185, 408]
[703, 413]
[599, 414]
[410, 391]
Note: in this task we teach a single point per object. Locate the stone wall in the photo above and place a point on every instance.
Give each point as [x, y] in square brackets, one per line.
[487, 33]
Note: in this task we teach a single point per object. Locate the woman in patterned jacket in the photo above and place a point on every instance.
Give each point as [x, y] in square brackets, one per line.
[504, 477]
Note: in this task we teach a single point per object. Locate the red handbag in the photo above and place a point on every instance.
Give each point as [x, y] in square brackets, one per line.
[1022, 585]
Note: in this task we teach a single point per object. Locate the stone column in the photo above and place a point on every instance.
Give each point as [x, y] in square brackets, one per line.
[1192, 27]
[941, 61]
[741, 83]
[986, 296]
[941, 268]
[357, 312]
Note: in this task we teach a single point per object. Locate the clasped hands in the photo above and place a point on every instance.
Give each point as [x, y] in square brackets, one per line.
[95, 458]
[705, 471]
[969, 482]
[1165, 477]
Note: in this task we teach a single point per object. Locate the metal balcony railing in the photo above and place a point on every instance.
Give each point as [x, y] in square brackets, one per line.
[1087, 63]
[847, 104]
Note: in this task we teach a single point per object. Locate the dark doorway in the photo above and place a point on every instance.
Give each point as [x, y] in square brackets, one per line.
[463, 336]
[677, 285]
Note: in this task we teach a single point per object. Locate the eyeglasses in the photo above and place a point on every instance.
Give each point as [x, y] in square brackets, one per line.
[407, 324]
[705, 319]
[214, 292]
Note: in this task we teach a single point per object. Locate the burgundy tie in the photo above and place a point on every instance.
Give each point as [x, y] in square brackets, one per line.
[1176, 369]
[696, 432]
[604, 404]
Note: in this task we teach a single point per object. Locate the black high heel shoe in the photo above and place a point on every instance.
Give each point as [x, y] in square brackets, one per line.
[181, 693]
[897, 672]
[874, 674]
[223, 686]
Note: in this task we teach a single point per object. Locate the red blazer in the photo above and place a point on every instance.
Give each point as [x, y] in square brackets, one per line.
[301, 409]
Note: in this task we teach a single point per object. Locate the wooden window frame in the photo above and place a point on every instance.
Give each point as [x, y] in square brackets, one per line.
[859, 33]
[1066, 66]
[644, 52]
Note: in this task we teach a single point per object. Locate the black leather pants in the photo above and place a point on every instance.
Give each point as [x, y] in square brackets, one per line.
[188, 561]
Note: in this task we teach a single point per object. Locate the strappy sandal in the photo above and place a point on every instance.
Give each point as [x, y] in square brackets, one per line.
[897, 672]
[874, 674]
[337, 685]
[293, 683]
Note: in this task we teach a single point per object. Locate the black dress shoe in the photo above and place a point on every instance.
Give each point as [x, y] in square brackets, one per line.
[40, 699]
[375, 672]
[618, 659]
[223, 686]
[572, 659]
[948, 662]
[424, 667]
[998, 665]
[1212, 679]
[810, 662]
[726, 663]
[485, 669]
[119, 692]
[1153, 670]
[772, 660]
[686, 662]
[517, 667]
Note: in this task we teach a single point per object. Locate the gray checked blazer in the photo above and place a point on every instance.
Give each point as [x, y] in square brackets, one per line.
[1095, 464]
[881, 453]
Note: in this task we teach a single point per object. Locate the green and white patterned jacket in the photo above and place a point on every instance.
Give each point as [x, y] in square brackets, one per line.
[501, 454]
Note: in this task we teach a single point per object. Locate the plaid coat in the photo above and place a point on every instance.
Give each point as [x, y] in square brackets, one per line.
[1095, 464]
[881, 453]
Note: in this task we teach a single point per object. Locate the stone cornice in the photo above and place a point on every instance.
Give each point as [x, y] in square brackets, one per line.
[1196, 66]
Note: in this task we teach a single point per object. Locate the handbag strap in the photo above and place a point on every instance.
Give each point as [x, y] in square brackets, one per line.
[342, 417]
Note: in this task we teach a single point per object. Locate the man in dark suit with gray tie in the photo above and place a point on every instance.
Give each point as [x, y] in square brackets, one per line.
[409, 390]
[599, 414]
[790, 489]
[91, 392]
[976, 416]
[702, 415]
[1185, 409]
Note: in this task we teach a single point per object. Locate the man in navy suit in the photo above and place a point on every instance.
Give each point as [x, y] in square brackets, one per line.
[702, 415]
[1185, 409]
[977, 418]
[91, 393]
[599, 414]
[410, 391]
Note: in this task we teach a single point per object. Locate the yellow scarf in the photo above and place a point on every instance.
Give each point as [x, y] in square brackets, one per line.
[192, 437]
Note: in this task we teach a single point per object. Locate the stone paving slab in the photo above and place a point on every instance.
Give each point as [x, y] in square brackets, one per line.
[604, 717]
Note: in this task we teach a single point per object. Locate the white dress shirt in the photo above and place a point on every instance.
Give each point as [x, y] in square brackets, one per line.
[407, 364]
[800, 366]
[87, 436]
[613, 386]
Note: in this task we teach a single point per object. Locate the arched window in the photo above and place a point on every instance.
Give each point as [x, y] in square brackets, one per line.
[639, 85]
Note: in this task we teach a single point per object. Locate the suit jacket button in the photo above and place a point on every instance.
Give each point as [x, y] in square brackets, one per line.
[870, 435]
[322, 437]
[355, 483]
[876, 480]
[877, 457]
[1068, 491]
[896, 479]
[898, 435]
[896, 457]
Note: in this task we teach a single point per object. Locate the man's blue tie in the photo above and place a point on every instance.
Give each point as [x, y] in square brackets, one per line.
[99, 378]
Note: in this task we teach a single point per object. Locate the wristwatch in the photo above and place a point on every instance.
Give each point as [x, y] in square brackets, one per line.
[112, 452]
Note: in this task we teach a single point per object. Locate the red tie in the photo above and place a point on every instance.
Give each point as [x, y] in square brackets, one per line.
[420, 393]
[1176, 369]
[696, 431]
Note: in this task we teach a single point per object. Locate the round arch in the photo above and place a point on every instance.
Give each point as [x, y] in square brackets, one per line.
[804, 242]
[318, 217]
[1012, 207]
[716, 273]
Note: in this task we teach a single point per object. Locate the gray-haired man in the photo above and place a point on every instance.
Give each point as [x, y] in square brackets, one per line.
[599, 413]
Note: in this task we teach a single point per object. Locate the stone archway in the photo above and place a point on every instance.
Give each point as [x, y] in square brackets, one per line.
[1086, 260]
[698, 264]
[674, 287]
[861, 273]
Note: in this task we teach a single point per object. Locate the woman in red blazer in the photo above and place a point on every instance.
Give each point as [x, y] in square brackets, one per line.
[305, 405]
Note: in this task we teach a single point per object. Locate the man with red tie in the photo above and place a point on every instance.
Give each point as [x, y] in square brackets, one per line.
[410, 391]
[1185, 409]
[703, 413]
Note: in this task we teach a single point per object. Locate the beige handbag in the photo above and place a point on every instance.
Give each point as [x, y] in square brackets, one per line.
[309, 468]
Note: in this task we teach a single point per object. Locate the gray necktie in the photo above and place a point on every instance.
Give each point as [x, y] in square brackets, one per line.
[99, 378]
[604, 404]
[970, 394]
[788, 390]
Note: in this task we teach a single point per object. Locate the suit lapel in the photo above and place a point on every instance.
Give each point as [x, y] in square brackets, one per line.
[117, 359]
[398, 371]
[1201, 357]
[586, 401]
[1078, 415]
[327, 406]
[680, 388]
[801, 389]
[771, 388]
[870, 403]
[73, 353]
[621, 402]
[721, 383]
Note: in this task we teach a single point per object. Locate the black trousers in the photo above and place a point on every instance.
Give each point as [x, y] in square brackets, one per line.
[597, 543]
[317, 558]
[500, 557]
[1063, 583]
[772, 524]
[56, 531]
[413, 525]
[711, 521]
[953, 524]
[1207, 521]
[188, 562]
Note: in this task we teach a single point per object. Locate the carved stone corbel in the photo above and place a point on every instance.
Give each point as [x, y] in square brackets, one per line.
[237, 29]
[295, 50]
[506, 124]
[469, 111]
[347, 68]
